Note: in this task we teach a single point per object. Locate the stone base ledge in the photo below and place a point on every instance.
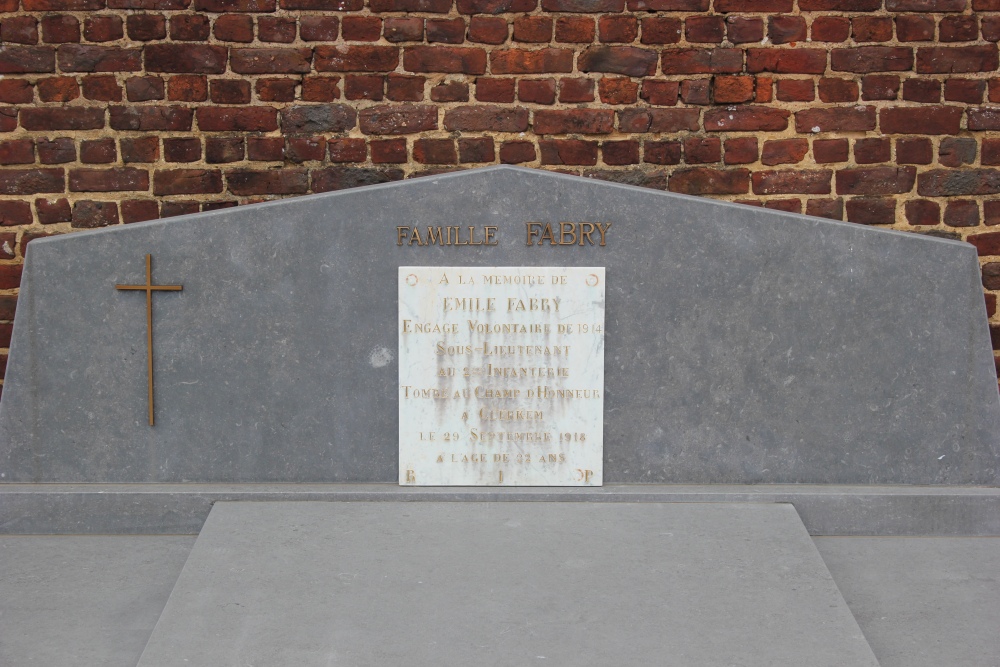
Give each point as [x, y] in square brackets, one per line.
[181, 509]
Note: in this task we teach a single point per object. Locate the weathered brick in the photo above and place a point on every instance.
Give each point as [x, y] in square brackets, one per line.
[487, 30]
[14, 213]
[186, 58]
[639, 120]
[276, 29]
[830, 29]
[922, 212]
[324, 28]
[16, 91]
[517, 152]
[398, 119]
[583, 6]
[937, 60]
[876, 180]
[618, 90]
[98, 151]
[956, 151]
[186, 181]
[785, 29]
[476, 150]
[655, 92]
[920, 120]
[835, 119]
[871, 28]
[61, 5]
[702, 150]
[770, 6]
[925, 5]
[991, 277]
[144, 88]
[265, 149]
[139, 210]
[223, 149]
[19, 30]
[102, 88]
[189, 27]
[958, 182]
[838, 90]
[983, 118]
[355, 29]
[871, 210]
[70, 118]
[271, 182]
[237, 119]
[879, 87]
[537, 91]
[145, 27]
[60, 29]
[181, 149]
[341, 178]
[356, 58]
[10, 276]
[435, 151]
[465, 60]
[795, 90]
[234, 28]
[170, 209]
[271, 61]
[839, 5]
[618, 29]
[149, 118]
[962, 213]
[520, 61]
[746, 119]
[987, 243]
[574, 121]
[320, 88]
[51, 211]
[140, 149]
[92, 214]
[872, 59]
[740, 150]
[18, 151]
[701, 61]
[388, 151]
[276, 90]
[85, 58]
[27, 59]
[187, 88]
[792, 181]
[668, 5]
[103, 28]
[576, 29]
[708, 181]
[235, 5]
[659, 30]
[914, 28]
[703, 29]
[696, 91]
[969, 91]
[486, 118]
[347, 150]
[108, 180]
[958, 29]
[872, 151]
[620, 152]
[58, 89]
[628, 60]
[364, 87]
[568, 152]
[784, 151]
[402, 88]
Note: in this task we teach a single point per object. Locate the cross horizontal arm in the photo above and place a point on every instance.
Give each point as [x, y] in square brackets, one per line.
[167, 288]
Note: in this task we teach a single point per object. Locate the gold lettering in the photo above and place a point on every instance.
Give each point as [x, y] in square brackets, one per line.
[490, 231]
[532, 231]
[602, 228]
[585, 232]
[434, 236]
[401, 232]
[567, 229]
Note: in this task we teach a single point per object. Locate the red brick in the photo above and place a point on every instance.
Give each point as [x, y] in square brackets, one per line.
[170, 209]
[520, 61]
[925, 5]
[51, 211]
[8, 119]
[913, 151]
[770, 6]
[701, 61]
[618, 90]
[184, 58]
[145, 27]
[473, 150]
[15, 213]
[98, 151]
[655, 92]
[235, 5]
[495, 89]
[60, 5]
[922, 212]
[958, 29]
[740, 150]
[733, 89]
[85, 58]
[872, 59]
[450, 91]
[922, 90]
[223, 149]
[429, 6]
[495, 6]
[320, 88]
[70, 118]
[16, 91]
[991, 277]
[103, 28]
[364, 87]
[237, 119]
[784, 151]
[26, 59]
[404, 29]
[786, 29]
[537, 91]
[955, 151]
[318, 118]
[835, 119]
[271, 61]
[936, 60]
[838, 90]
[991, 28]
[58, 89]
[140, 149]
[139, 210]
[576, 30]
[467, 60]
[914, 28]
[325, 28]
[627, 60]
[265, 149]
[969, 91]
[189, 28]
[187, 88]
[186, 181]
[536, 29]
[108, 180]
[402, 88]
[234, 28]
[696, 91]
[568, 152]
[272, 182]
[347, 150]
[983, 118]
[876, 180]
[872, 151]
[668, 5]
[830, 29]
[702, 150]
[792, 181]
[19, 30]
[447, 31]
[708, 181]
[638, 120]
[871, 28]
[618, 29]
[746, 119]
[91, 214]
[60, 29]
[356, 58]
[276, 29]
[18, 151]
[517, 152]
[704, 29]
[958, 182]
[620, 152]
[487, 30]
[965, 213]
[181, 149]
[10, 276]
[795, 90]
[435, 151]
[147, 118]
[659, 30]
[744, 29]
[486, 118]
[787, 205]
[840, 5]
[144, 88]
[329, 5]
[879, 87]
[826, 208]
[986, 244]
[102, 88]
[920, 120]
[398, 119]
[583, 6]
[339, 178]
[574, 121]
[389, 151]
[991, 216]
[276, 90]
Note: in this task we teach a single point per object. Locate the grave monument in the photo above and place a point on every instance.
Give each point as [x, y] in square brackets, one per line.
[426, 352]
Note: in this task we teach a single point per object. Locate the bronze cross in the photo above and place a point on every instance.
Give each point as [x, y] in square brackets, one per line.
[149, 288]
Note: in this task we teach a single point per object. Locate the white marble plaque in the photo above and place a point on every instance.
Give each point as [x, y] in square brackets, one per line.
[501, 376]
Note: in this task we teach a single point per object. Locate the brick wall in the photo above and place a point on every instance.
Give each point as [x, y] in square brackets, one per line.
[875, 111]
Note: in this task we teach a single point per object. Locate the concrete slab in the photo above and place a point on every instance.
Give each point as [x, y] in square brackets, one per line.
[82, 601]
[922, 602]
[505, 584]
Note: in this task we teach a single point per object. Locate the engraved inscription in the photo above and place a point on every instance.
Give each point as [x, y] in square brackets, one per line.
[501, 375]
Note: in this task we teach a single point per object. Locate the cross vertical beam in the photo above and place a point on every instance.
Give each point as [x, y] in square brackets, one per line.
[149, 288]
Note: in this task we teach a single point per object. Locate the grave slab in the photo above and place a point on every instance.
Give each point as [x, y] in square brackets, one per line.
[505, 584]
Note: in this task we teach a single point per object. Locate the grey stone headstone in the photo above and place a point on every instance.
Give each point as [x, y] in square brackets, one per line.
[743, 345]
